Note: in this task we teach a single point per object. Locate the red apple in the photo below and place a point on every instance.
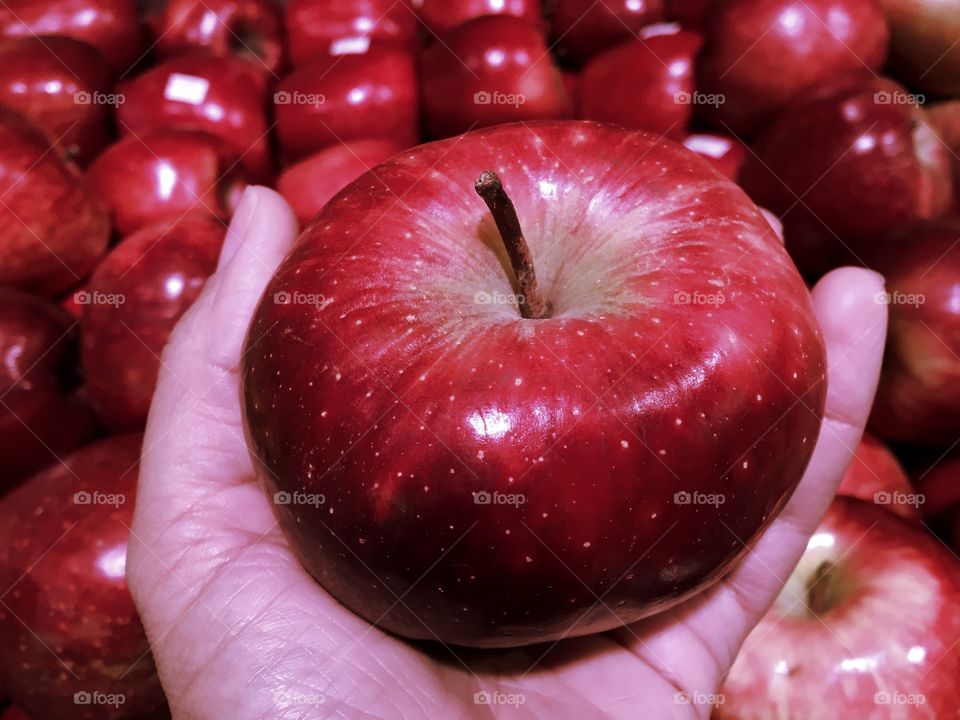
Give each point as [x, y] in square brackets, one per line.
[846, 165]
[134, 299]
[111, 26]
[60, 85]
[372, 94]
[317, 27]
[40, 420]
[246, 28]
[310, 184]
[72, 644]
[646, 83]
[54, 230]
[491, 70]
[438, 443]
[762, 55]
[918, 399]
[924, 36]
[165, 174]
[223, 96]
[875, 475]
[441, 16]
[725, 153]
[866, 627]
[582, 28]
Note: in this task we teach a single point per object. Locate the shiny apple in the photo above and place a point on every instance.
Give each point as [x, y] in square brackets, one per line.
[441, 439]
[725, 153]
[581, 29]
[875, 475]
[441, 16]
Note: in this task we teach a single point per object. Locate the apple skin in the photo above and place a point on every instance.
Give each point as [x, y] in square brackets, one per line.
[762, 55]
[442, 16]
[223, 96]
[67, 602]
[250, 29]
[54, 229]
[583, 28]
[725, 153]
[944, 118]
[940, 486]
[310, 184]
[889, 600]
[165, 174]
[692, 14]
[158, 272]
[314, 26]
[403, 393]
[923, 41]
[860, 167]
[40, 418]
[41, 79]
[111, 26]
[332, 100]
[484, 57]
[641, 83]
[918, 398]
[14, 713]
[875, 475]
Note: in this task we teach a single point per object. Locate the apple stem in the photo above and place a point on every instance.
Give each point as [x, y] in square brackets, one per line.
[819, 593]
[531, 301]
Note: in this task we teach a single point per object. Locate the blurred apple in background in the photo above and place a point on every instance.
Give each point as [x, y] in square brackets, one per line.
[224, 96]
[846, 165]
[924, 46]
[940, 485]
[875, 475]
[918, 399]
[136, 296]
[441, 16]
[645, 83]
[163, 175]
[866, 627]
[490, 70]
[111, 26]
[725, 153]
[13, 713]
[67, 621]
[52, 230]
[41, 418]
[762, 55]
[691, 14]
[249, 29]
[309, 184]
[61, 85]
[371, 94]
[580, 29]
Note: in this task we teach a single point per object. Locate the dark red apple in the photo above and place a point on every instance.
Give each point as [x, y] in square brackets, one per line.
[439, 443]
[136, 296]
[875, 475]
[249, 29]
[646, 83]
[223, 96]
[725, 153]
[165, 174]
[689, 13]
[845, 166]
[582, 28]
[868, 619]
[72, 644]
[762, 55]
[372, 94]
[441, 16]
[940, 487]
[924, 45]
[40, 417]
[111, 26]
[309, 184]
[54, 229]
[491, 70]
[320, 28]
[918, 399]
[60, 85]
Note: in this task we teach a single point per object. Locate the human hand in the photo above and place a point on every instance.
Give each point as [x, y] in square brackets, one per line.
[236, 622]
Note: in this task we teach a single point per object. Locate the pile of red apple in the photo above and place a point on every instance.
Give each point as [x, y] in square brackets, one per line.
[129, 130]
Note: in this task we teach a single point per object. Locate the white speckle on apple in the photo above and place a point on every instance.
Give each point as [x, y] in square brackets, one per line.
[624, 444]
[480, 454]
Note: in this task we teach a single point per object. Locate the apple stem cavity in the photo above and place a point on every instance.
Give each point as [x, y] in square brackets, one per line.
[531, 302]
[819, 593]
